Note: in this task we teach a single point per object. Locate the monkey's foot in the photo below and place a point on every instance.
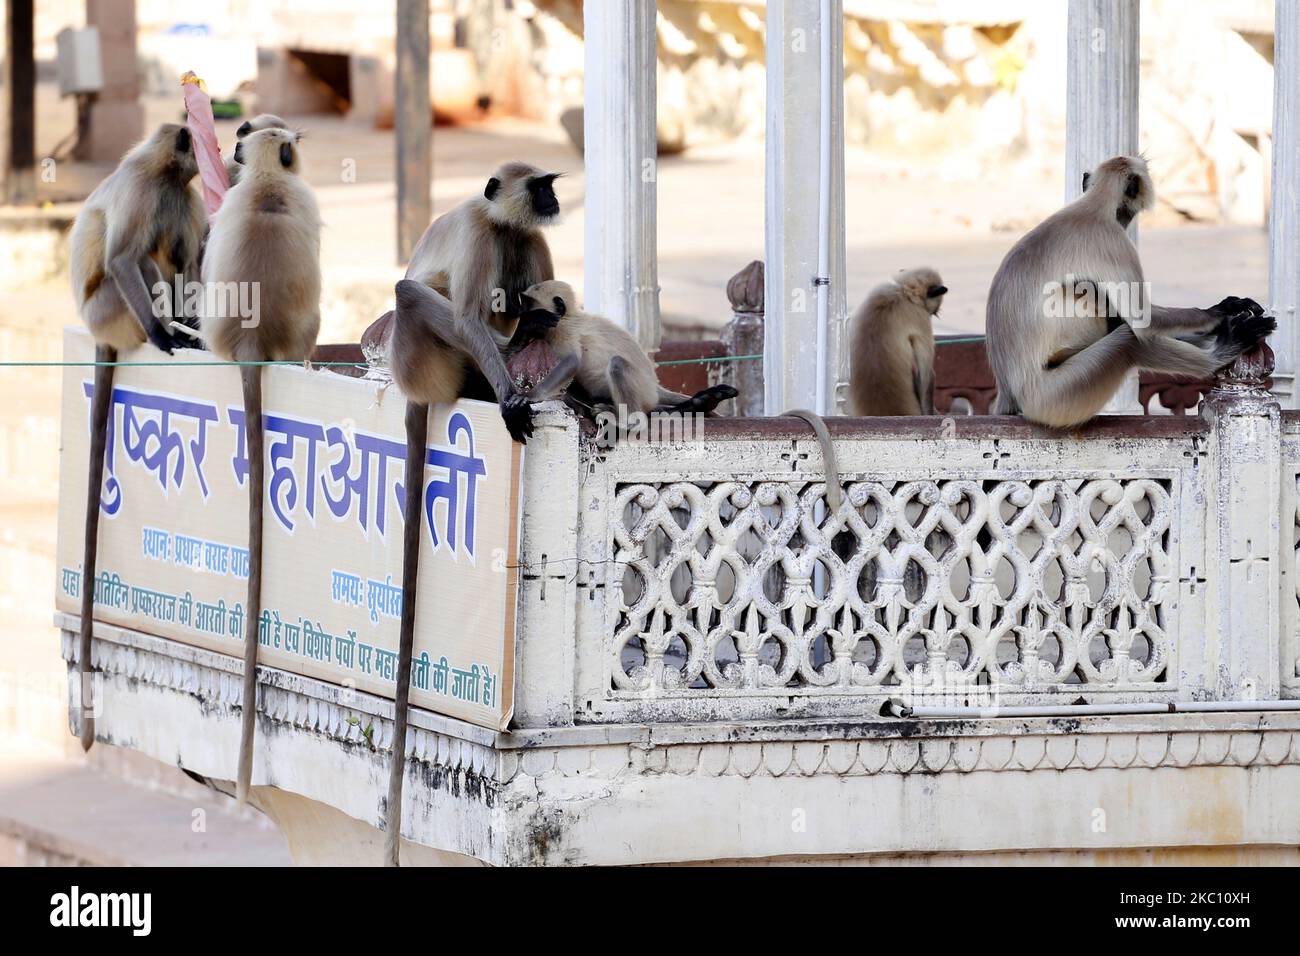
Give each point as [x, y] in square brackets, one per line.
[706, 400]
[164, 340]
[1247, 331]
[518, 416]
[1232, 307]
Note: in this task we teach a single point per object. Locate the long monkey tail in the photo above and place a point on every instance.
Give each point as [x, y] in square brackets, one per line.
[252, 381]
[105, 356]
[417, 433]
[834, 493]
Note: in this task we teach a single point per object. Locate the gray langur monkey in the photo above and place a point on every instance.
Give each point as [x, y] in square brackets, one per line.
[892, 355]
[455, 309]
[139, 227]
[267, 232]
[1068, 315]
[601, 357]
[481, 256]
[235, 161]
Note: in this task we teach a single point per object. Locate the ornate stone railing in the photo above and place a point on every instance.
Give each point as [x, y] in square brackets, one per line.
[983, 560]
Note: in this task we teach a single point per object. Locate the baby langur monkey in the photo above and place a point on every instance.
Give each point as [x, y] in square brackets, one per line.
[267, 233]
[1069, 316]
[601, 357]
[893, 346]
[141, 226]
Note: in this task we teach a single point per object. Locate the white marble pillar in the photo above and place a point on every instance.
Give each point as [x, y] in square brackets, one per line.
[795, 49]
[1101, 111]
[1284, 219]
[621, 274]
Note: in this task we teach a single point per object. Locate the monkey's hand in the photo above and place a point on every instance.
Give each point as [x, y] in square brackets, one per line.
[518, 416]
[533, 325]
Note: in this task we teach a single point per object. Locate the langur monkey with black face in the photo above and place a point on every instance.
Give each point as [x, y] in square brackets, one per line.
[141, 226]
[456, 307]
[480, 255]
[235, 162]
[1068, 314]
[892, 369]
[266, 232]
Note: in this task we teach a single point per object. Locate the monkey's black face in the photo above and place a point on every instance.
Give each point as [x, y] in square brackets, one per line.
[239, 153]
[183, 143]
[541, 189]
[286, 155]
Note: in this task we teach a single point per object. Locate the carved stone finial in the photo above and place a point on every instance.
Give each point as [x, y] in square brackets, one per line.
[1251, 372]
[745, 290]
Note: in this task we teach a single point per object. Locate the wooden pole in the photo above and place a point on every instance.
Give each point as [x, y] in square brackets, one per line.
[19, 172]
[414, 122]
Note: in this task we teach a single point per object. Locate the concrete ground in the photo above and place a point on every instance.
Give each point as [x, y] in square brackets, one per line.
[958, 220]
[59, 811]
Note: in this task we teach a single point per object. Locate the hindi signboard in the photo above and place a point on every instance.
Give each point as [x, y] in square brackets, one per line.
[173, 530]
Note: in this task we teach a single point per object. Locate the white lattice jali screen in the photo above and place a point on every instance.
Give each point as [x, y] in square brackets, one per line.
[744, 591]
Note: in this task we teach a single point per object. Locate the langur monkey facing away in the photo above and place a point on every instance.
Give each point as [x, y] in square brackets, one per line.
[603, 358]
[141, 226]
[893, 346]
[235, 161]
[266, 232]
[1068, 312]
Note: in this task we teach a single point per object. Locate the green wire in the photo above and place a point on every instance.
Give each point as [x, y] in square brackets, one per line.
[166, 364]
[718, 359]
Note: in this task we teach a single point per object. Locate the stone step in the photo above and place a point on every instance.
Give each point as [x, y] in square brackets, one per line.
[65, 811]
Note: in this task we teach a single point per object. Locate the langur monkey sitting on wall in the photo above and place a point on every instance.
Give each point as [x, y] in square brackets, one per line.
[139, 227]
[603, 358]
[893, 346]
[456, 309]
[267, 232]
[479, 257]
[1069, 317]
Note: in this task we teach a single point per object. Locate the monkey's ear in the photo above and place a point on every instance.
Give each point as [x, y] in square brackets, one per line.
[560, 308]
[286, 155]
[1087, 177]
[493, 185]
[1133, 186]
[245, 128]
[183, 140]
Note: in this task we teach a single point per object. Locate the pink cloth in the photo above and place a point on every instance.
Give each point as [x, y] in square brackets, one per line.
[202, 126]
